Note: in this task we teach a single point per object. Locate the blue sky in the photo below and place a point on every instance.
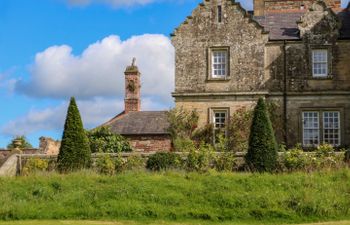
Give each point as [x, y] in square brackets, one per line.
[53, 49]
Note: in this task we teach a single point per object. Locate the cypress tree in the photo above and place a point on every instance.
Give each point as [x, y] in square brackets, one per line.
[262, 151]
[75, 150]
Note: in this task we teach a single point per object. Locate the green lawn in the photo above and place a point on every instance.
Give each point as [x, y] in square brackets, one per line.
[209, 198]
[69, 222]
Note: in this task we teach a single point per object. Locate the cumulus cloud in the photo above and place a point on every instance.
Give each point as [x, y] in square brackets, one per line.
[99, 70]
[94, 112]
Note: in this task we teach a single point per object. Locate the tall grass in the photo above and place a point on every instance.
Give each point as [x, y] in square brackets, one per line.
[281, 198]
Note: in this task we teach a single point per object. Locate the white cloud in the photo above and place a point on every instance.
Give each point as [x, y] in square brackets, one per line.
[94, 112]
[99, 70]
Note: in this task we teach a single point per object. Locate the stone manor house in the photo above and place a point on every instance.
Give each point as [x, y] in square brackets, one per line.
[295, 53]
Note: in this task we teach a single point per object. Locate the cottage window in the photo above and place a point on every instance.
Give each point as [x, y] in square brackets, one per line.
[320, 63]
[312, 127]
[331, 128]
[219, 63]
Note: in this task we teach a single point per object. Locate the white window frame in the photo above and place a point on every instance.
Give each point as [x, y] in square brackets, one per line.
[328, 125]
[220, 62]
[223, 126]
[331, 127]
[311, 127]
[225, 117]
[321, 62]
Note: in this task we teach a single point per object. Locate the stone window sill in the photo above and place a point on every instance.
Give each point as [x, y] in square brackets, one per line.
[218, 79]
[329, 77]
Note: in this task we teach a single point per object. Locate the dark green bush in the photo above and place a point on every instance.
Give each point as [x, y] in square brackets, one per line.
[263, 150]
[103, 140]
[163, 161]
[75, 153]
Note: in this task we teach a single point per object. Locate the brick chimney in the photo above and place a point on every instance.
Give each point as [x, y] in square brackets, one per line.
[259, 7]
[132, 99]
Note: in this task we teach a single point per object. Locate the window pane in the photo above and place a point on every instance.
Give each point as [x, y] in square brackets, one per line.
[331, 128]
[219, 65]
[320, 62]
[311, 128]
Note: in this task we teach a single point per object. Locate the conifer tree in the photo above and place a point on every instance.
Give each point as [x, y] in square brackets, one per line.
[75, 150]
[262, 151]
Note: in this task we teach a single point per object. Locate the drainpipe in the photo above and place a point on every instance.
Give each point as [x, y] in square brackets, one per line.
[285, 113]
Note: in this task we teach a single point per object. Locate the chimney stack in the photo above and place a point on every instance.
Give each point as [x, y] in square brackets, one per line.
[259, 7]
[132, 99]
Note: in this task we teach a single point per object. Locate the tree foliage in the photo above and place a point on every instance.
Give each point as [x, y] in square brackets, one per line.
[239, 129]
[182, 123]
[262, 151]
[102, 139]
[24, 144]
[75, 150]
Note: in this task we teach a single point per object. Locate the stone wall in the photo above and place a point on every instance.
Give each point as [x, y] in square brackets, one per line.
[150, 143]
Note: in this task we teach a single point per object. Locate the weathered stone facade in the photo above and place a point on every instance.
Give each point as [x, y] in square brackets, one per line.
[268, 55]
[48, 146]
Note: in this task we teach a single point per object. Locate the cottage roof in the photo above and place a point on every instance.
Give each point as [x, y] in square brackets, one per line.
[140, 123]
[283, 26]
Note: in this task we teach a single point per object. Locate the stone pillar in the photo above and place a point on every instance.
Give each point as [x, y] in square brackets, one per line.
[132, 99]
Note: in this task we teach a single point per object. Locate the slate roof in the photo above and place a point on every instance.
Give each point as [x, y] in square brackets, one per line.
[140, 123]
[283, 26]
[345, 18]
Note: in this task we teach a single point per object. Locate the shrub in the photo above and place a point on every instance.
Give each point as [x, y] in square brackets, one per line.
[23, 143]
[262, 151]
[134, 162]
[324, 150]
[347, 157]
[324, 157]
[75, 150]
[204, 134]
[163, 161]
[225, 161]
[120, 163]
[33, 165]
[199, 159]
[182, 123]
[103, 140]
[183, 144]
[295, 158]
[238, 129]
[105, 165]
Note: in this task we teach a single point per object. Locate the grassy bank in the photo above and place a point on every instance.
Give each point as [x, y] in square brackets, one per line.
[175, 196]
[87, 222]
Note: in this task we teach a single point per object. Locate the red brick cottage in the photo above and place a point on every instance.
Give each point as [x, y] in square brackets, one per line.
[146, 130]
